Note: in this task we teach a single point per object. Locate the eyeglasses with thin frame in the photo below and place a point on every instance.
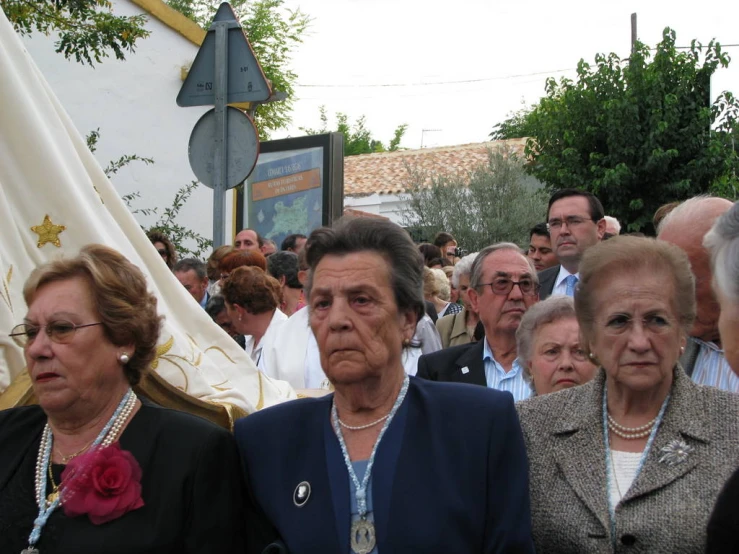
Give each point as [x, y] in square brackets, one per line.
[60, 331]
[571, 221]
[503, 286]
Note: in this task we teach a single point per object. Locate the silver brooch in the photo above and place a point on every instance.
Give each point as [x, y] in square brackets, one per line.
[301, 494]
[676, 452]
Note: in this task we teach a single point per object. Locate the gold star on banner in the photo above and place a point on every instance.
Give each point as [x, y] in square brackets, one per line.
[48, 232]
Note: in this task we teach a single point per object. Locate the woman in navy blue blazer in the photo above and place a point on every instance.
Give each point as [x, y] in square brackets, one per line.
[388, 463]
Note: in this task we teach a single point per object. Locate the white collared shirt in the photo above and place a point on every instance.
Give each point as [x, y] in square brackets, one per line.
[560, 287]
[256, 353]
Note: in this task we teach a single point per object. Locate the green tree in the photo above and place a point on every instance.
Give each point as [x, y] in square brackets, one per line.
[357, 138]
[493, 202]
[638, 133]
[87, 29]
[273, 32]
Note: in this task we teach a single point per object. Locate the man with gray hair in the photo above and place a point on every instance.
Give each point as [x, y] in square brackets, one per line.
[503, 285]
[193, 275]
[686, 226]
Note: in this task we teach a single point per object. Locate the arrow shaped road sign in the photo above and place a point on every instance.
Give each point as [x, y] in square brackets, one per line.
[246, 80]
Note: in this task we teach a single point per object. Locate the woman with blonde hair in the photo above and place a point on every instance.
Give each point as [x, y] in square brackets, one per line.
[436, 290]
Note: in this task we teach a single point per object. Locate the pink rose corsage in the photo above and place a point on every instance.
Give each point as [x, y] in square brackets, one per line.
[104, 483]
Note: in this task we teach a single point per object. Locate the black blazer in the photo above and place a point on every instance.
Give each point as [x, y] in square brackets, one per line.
[191, 485]
[547, 278]
[460, 364]
[450, 475]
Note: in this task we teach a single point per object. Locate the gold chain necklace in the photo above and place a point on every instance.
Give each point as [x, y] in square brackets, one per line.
[66, 459]
[54, 494]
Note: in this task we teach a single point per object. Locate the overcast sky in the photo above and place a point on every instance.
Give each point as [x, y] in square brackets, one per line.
[505, 50]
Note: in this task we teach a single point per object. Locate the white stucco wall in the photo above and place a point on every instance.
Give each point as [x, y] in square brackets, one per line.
[132, 102]
[388, 205]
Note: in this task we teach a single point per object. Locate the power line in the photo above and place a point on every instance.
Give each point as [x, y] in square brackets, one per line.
[433, 83]
[464, 81]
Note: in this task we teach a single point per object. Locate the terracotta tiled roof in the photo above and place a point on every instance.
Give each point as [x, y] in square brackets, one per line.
[387, 172]
[360, 213]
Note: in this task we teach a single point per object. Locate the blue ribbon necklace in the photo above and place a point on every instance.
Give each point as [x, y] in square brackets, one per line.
[609, 464]
[363, 536]
[43, 464]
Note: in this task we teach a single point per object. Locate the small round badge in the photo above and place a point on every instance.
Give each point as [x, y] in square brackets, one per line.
[301, 494]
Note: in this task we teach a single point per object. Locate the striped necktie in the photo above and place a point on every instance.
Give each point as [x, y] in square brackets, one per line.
[570, 282]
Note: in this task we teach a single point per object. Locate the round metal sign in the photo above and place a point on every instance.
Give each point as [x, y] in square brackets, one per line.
[242, 147]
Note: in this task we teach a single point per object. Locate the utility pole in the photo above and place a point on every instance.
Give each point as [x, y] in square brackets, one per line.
[633, 32]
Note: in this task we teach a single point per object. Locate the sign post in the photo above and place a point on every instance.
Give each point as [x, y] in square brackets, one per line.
[225, 71]
[221, 165]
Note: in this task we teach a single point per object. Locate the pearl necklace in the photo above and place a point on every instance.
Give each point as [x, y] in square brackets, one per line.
[112, 431]
[630, 432]
[360, 427]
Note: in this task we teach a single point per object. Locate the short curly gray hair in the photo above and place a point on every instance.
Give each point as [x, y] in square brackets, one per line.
[722, 241]
[550, 310]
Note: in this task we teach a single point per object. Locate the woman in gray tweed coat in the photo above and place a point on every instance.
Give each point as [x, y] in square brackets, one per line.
[632, 461]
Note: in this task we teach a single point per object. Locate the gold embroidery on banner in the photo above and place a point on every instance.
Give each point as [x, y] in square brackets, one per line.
[48, 232]
[221, 387]
[162, 349]
[99, 195]
[222, 351]
[6, 282]
[260, 403]
[182, 370]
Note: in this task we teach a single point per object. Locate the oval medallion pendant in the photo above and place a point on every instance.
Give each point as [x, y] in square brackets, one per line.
[362, 536]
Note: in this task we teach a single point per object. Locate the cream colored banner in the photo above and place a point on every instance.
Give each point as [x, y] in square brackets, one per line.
[55, 198]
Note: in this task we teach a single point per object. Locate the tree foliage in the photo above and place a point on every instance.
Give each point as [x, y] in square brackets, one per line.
[494, 202]
[357, 138]
[273, 33]
[638, 133]
[182, 237]
[87, 29]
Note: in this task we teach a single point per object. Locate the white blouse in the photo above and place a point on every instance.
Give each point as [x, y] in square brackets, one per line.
[624, 466]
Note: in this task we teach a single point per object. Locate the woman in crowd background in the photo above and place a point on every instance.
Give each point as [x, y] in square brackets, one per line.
[284, 267]
[164, 246]
[213, 267]
[92, 468]
[252, 300]
[240, 258]
[549, 347]
[436, 290]
[636, 457]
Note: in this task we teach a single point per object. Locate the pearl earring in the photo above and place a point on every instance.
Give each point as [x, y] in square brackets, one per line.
[124, 358]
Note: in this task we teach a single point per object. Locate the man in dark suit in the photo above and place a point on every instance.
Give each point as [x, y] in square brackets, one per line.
[503, 285]
[576, 222]
[193, 275]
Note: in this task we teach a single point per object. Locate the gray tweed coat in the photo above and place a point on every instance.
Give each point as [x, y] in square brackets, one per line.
[665, 510]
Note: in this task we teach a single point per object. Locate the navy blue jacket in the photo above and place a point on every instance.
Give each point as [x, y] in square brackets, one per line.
[450, 475]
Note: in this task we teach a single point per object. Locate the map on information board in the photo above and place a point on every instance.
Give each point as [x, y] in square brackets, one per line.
[285, 194]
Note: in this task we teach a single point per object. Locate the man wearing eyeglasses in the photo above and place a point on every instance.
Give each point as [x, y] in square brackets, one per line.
[576, 222]
[503, 285]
